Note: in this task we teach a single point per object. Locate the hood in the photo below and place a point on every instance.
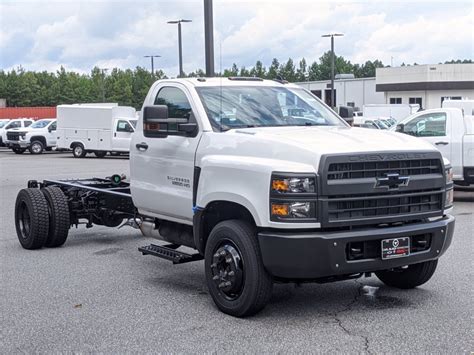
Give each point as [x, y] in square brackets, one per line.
[335, 140]
[20, 129]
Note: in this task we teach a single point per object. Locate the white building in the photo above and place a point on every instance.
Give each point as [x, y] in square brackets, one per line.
[348, 92]
[426, 85]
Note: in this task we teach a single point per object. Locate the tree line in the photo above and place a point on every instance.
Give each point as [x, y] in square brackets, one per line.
[129, 87]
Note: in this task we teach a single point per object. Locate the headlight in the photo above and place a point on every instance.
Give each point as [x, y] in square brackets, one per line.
[449, 175]
[293, 184]
[294, 209]
[293, 197]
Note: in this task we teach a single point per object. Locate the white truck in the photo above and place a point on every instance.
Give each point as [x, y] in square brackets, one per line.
[467, 106]
[6, 125]
[38, 137]
[396, 111]
[95, 128]
[451, 132]
[268, 185]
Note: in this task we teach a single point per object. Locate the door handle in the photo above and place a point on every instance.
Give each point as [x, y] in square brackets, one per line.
[141, 146]
[115, 134]
[441, 143]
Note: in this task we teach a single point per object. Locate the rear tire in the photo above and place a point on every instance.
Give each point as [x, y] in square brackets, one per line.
[410, 277]
[78, 151]
[235, 275]
[59, 222]
[100, 153]
[18, 150]
[31, 218]
[36, 147]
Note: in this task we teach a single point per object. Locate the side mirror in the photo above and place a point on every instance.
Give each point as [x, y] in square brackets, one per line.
[157, 124]
[400, 128]
[155, 121]
[347, 113]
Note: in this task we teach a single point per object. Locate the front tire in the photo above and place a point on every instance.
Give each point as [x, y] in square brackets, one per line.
[18, 150]
[36, 147]
[31, 218]
[59, 222]
[78, 151]
[235, 275]
[100, 153]
[409, 277]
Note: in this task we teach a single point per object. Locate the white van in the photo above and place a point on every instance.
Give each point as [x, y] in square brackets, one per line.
[95, 128]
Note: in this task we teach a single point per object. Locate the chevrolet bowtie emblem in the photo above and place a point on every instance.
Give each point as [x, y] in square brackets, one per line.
[392, 181]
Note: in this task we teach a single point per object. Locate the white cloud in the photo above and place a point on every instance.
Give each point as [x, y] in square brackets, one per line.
[43, 35]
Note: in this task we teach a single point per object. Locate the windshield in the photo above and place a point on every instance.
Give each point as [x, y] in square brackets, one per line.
[3, 123]
[259, 106]
[40, 124]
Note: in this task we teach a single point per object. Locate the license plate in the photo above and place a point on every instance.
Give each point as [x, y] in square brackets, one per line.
[395, 248]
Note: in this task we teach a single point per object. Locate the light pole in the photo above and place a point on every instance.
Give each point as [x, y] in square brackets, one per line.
[180, 49]
[152, 64]
[103, 71]
[332, 35]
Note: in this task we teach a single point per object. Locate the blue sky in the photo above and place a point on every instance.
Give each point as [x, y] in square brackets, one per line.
[43, 35]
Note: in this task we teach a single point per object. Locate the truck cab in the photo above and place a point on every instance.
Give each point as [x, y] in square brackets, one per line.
[17, 123]
[451, 132]
[38, 137]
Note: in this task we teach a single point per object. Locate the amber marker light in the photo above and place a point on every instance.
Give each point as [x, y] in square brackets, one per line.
[279, 209]
[280, 185]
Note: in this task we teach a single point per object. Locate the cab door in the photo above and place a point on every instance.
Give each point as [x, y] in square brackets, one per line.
[434, 128]
[122, 135]
[162, 168]
[51, 135]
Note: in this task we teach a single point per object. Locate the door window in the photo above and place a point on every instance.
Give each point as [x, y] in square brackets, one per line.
[176, 100]
[429, 125]
[53, 126]
[15, 124]
[124, 126]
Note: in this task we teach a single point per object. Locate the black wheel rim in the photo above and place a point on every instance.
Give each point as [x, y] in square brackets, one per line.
[227, 270]
[25, 221]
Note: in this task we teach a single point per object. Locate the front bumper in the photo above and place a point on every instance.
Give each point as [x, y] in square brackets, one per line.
[17, 144]
[313, 255]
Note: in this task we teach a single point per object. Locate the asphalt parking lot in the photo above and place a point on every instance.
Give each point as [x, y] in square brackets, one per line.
[97, 293]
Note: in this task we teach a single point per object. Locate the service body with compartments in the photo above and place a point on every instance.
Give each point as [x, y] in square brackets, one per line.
[95, 128]
[268, 185]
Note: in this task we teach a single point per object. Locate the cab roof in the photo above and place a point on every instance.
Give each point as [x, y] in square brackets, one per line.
[229, 81]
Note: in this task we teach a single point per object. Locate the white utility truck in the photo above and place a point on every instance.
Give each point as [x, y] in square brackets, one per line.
[268, 184]
[451, 132]
[395, 111]
[38, 137]
[95, 128]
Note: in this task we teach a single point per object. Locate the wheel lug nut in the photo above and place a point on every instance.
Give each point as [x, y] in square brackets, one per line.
[227, 283]
[215, 278]
[228, 260]
[222, 253]
[231, 273]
